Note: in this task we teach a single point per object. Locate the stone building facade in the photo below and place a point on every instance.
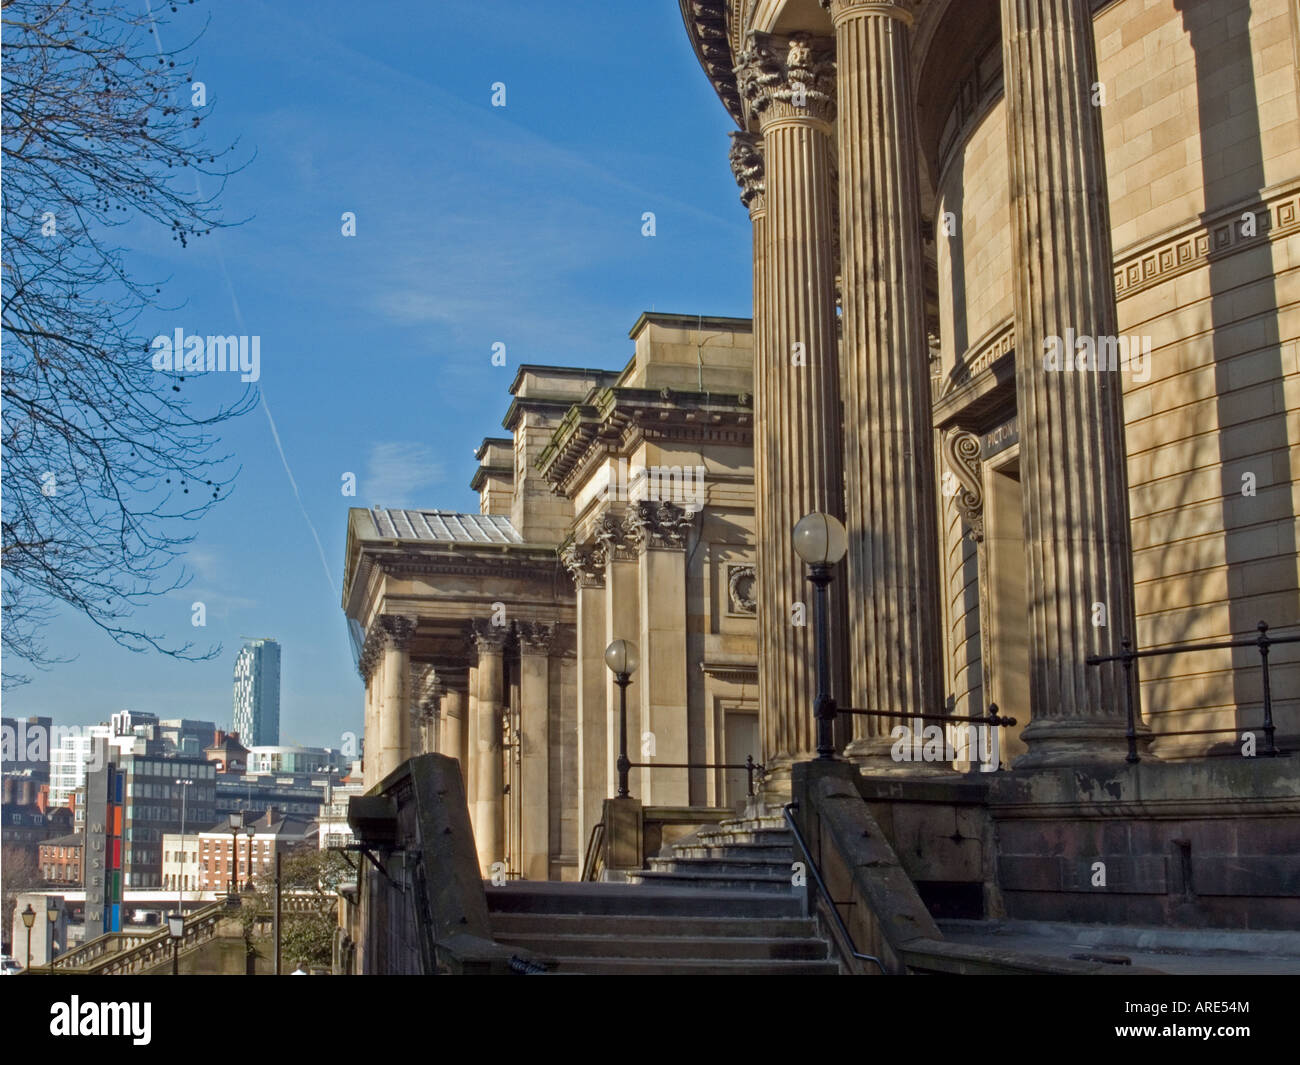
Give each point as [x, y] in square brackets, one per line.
[621, 506]
[967, 190]
[1025, 318]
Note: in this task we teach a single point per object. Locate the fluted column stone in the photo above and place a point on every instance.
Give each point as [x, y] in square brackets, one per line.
[535, 643]
[892, 565]
[1072, 452]
[394, 711]
[586, 566]
[489, 803]
[788, 86]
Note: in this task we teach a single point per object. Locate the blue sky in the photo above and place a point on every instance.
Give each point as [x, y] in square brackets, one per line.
[475, 225]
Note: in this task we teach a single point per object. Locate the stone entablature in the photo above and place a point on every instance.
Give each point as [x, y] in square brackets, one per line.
[621, 418]
[1273, 215]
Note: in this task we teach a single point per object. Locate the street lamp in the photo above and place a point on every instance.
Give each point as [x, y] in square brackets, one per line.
[820, 540]
[250, 831]
[29, 919]
[236, 823]
[176, 929]
[622, 659]
[52, 912]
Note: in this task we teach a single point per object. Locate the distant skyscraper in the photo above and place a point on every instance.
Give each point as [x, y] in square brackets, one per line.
[257, 694]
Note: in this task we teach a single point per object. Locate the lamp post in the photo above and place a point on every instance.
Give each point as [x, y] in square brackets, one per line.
[29, 919]
[622, 659]
[820, 540]
[236, 823]
[176, 929]
[52, 912]
[250, 831]
[184, 785]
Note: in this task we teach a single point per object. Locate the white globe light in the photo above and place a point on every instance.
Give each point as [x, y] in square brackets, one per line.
[621, 657]
[820, 539]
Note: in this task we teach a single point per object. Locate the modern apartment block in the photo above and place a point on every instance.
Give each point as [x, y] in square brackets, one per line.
[257, 693]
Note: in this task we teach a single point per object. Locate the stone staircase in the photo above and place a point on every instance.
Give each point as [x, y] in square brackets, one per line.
[720, 903]
[747, 854]
[618, 929]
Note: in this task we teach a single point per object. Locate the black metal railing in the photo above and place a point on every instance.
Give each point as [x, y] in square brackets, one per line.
[840, 926]
[1132, 695]
[992, 719]
[750, 767]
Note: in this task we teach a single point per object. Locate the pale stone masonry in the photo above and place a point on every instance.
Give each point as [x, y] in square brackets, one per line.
[939, 193]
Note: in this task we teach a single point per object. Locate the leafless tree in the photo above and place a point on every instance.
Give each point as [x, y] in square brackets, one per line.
[103, 455]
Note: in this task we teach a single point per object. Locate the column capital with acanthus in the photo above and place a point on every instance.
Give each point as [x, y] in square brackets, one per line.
[489, 638]
[746, 158]
[396, 631]
[787, 77]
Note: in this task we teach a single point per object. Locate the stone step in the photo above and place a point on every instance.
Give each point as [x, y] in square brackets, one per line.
[692, 967]
[685, 878]
[734, 852]
[745, 837]
[675, 899]
[750, 824]
[772, 868]
[624, 925]
[667, 945]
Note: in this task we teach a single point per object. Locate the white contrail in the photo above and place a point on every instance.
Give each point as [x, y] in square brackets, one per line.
[261, 393]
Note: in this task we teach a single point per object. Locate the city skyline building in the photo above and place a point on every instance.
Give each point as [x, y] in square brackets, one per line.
[257, 693]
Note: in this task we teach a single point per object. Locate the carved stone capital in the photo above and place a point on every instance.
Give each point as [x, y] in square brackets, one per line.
[586, 565]
[371, 649]
[612, 541]
[535, 637]
[396, 631]
[746, 157]
[488, 638]
[652, 524]
[787, 77]
[963, 482]
[899, 9]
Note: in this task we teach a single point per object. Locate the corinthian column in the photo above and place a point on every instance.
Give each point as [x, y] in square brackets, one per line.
[1072, 454]
[394, 712]
[892, 563]
[788, 84]
[746, 158]
[488, 801]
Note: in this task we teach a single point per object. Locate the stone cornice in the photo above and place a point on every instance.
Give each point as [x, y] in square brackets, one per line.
[706, 26]
[746, 158]
[621, 416]
[657, 525]
[787, 77]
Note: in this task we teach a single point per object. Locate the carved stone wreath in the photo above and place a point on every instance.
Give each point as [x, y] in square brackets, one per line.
[740, 588]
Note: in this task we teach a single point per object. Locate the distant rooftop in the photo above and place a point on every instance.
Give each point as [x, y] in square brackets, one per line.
[445, 526]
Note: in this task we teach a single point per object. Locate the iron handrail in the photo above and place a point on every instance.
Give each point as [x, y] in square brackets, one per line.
[992, 719]
[788, 809]
[749, 765]
[1133, 695]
